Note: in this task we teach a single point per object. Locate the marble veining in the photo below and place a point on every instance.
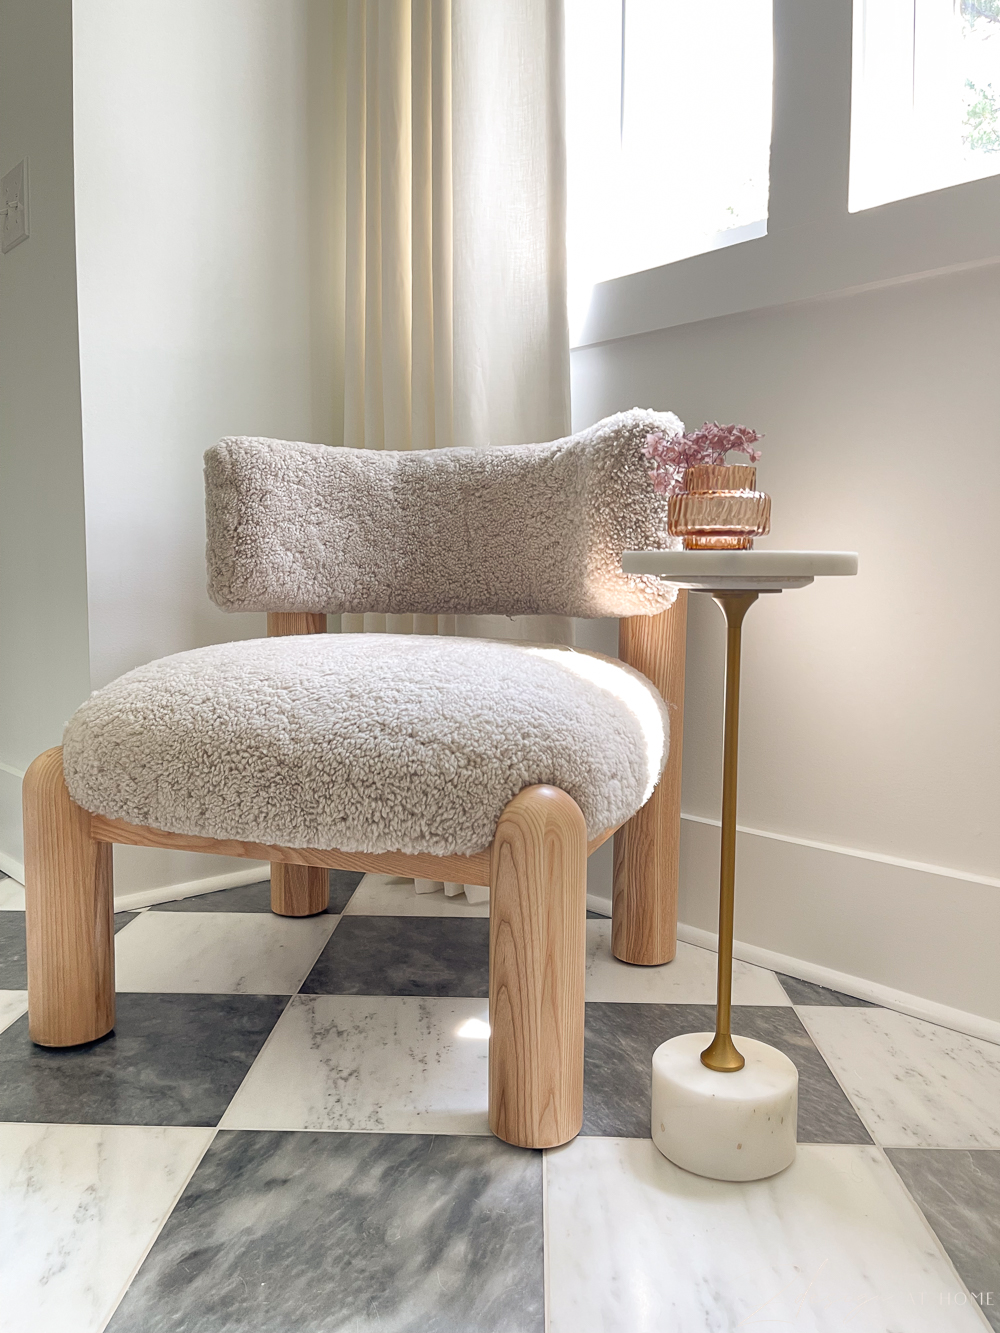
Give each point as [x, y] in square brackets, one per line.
[348, 1233]
[619, 1047]
[257, 897]
[689, 979]
[171, 1060]
[13, 1003]
[916, 1085]
[830, 1245]
[354, 1184]
[389, 1064]
[958, 1192]
[385, 955]
[79, 1206]
[219, 954]
[389, 895]
[13, 952]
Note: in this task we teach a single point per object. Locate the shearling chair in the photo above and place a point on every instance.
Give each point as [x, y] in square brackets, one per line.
[477, 761]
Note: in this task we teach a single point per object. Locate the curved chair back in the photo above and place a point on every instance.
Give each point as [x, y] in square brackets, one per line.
[535, 529]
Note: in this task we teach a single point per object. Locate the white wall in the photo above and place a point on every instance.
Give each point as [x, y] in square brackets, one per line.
[207, 234]
[196, 295]
[201, 144]
[871, 710]
[44, 670]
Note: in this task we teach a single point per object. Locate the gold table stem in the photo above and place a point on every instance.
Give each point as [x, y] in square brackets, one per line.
[722, 1055]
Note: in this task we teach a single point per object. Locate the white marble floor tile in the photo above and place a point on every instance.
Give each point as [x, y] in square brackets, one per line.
[914, 1084]
[11, 896]
[391, 1064]
[13, 1003]
[832, 1245]
[689, 979]
[245, 953]
[79, 1207]
[387, 895]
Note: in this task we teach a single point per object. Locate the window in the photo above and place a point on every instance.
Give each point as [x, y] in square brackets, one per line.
[672, 156]
[925, 104]
[669, 131]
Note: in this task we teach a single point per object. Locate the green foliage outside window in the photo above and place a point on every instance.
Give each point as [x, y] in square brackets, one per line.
[983, 117]
[981, 9]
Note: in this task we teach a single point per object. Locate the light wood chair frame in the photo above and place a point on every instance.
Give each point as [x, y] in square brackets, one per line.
[536, 869]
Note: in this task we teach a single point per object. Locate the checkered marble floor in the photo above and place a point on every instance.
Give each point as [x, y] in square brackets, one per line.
[287, 1133]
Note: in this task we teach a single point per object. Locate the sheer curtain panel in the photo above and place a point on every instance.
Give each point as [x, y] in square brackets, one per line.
[455, 321]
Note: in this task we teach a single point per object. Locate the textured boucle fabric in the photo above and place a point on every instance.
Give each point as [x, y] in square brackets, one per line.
[535, 529]
[366, 743]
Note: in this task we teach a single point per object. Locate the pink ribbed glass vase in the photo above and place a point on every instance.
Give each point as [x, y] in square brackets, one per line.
[719, 509]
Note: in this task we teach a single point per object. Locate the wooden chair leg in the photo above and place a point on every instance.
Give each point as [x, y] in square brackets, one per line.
[69, 913]
[297, 890]
[647, 848]
[538, 940]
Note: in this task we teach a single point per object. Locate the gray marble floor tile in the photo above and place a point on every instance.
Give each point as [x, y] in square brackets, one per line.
[348, 1233]
[342, 886]
[959, 1193]
[807, 992]
[171, 1060]
[621, 1039]
[13, 955]
[386, 955]
[257, 897]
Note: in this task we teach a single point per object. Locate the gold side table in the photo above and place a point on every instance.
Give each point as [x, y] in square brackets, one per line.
[724, 1110]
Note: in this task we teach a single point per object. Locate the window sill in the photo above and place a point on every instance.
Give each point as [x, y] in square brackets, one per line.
[929, 234]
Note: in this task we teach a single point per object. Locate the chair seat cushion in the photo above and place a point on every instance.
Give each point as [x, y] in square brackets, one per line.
[364, 742]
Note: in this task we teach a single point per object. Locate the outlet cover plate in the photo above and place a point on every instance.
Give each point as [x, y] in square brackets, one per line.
[14, 206]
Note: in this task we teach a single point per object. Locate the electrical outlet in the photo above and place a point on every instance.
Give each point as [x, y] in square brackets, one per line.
[14, 206]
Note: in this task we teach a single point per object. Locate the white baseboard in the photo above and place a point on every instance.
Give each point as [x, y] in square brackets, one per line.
[11, 849]
[974, 1025]
[880, 858]
[8, 866]
[130, 902]
[915, 937]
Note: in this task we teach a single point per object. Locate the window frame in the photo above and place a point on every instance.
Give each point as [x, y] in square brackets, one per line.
[813, 247]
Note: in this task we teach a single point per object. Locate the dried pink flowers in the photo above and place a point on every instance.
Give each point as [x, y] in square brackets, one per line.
[670, 456]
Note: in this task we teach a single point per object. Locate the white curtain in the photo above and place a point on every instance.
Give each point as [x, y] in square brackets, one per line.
[455, 320]
[455, 291]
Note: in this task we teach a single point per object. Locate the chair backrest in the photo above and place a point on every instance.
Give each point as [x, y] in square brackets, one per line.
[535, 529]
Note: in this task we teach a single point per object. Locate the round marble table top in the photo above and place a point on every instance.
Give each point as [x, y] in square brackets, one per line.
[740, 571]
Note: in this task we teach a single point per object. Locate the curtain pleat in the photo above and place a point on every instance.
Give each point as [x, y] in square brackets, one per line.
[455, 305]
